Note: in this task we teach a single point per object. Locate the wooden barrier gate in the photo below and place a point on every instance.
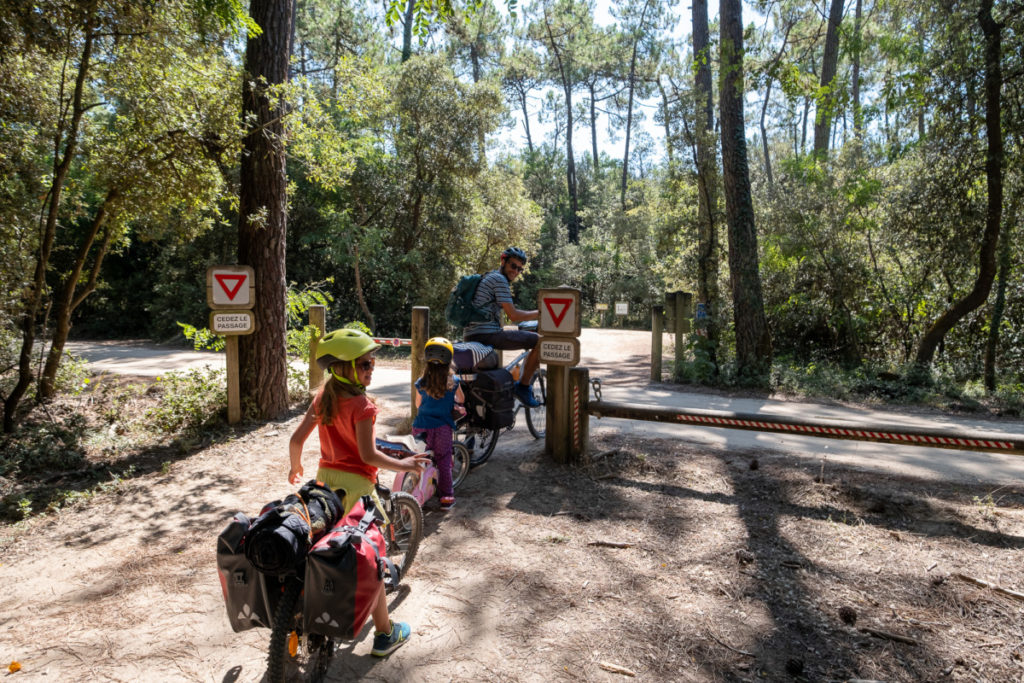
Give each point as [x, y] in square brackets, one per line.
[581, 408]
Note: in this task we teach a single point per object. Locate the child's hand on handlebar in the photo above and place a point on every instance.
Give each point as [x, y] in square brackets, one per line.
[416, 462]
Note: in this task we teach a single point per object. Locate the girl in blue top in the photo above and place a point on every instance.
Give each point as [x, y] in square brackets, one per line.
[437, 394]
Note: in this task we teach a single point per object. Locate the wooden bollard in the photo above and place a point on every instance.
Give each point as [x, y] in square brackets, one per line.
[683, 304]
[318, 319]
[556, 435]
[420, 330]
[657, 327]
[579, 418]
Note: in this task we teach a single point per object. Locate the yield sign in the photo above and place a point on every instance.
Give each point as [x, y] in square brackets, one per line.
[230, 287]
[559, 312]
[557, 308]
[230, 282]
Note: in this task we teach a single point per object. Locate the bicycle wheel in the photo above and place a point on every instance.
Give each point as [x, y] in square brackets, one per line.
[537, 418]
[409, 482]
[321, 650]
[481, 445]
[460, 463]
[404, 532]
[283, 658]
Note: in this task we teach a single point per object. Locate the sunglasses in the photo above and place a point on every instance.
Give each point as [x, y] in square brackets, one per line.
[366, 364]
[516, 268]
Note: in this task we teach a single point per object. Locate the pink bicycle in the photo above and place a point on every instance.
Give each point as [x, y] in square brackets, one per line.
[423, 485]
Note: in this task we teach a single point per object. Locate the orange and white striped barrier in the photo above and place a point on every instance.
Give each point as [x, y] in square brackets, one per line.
[1011, 444]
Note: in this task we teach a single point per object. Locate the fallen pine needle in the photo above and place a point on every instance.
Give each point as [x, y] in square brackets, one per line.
[616, 669]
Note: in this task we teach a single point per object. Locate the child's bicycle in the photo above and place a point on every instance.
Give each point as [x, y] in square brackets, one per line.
[479, 440]
[306, 656]
[422, 485]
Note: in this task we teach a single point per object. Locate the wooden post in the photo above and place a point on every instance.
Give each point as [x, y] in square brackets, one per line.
[682, 309]
[318, 319]
[579, 399]
[234, 402]
[556, 436]
[657, 326]
[420, 330]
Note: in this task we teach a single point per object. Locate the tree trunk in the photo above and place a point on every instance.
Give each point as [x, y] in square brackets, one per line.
[70, 297]
[570, 170]
[707, 181]
[1005, 269]
[593, 130]
[753, 341]
[33, 297]
[263, 210]
[526, 121]
[858, 114]
[631, 86]
[360, 295]
[764, 134]
[994, 174]
[829, 62]
[667, 124]
[565, 74]
[407, 31]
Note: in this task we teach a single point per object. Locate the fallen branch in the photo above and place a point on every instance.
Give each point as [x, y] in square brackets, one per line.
[616, 669]
[986, 584]
[889, 636]
[728, 646]
[611, 544]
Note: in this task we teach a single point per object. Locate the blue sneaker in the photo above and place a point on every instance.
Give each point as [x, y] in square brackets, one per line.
[525, 395]
[386, 643]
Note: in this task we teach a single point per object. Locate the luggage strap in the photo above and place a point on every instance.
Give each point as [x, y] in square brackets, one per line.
[394, 575]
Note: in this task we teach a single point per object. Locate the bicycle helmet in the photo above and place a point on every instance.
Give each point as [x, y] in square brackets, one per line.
[343, 345]
[514, 252]
[439, 350]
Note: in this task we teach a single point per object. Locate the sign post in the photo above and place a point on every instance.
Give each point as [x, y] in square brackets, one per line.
[559, 327]
[231, 292]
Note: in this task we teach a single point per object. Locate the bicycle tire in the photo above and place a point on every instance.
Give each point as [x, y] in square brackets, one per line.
[321, 650]
[404, 531]
[410, 481]
[460, 463]
[537, 418]
[484, 442]
[280, 661]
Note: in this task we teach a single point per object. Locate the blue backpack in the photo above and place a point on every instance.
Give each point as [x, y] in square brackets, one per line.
[460, 310]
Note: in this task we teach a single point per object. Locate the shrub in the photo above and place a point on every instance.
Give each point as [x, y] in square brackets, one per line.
[190, 400]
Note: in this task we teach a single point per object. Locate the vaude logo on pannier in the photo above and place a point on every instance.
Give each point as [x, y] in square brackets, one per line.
[325, 619]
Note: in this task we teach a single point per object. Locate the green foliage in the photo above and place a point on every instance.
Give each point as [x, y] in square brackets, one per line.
[357, 325]
[190, 400]
[44, 446]
[202, 338]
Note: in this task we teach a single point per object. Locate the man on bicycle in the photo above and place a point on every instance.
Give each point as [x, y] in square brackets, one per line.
[494, 294]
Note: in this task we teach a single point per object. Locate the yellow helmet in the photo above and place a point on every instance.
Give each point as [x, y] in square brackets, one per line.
[439, 350]
[342, 345]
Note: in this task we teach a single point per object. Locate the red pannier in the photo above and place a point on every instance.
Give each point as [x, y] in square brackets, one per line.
[345, 570]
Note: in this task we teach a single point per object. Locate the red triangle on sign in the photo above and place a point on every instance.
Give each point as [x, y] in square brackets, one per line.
[557, 317]
[230, 290]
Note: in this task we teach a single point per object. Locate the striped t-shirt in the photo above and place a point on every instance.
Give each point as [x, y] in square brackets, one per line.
[491, 293]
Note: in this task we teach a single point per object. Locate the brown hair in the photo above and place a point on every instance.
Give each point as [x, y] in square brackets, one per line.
[333, 392]
[436, 380]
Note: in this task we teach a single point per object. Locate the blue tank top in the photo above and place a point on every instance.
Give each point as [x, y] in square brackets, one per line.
[435, 412]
